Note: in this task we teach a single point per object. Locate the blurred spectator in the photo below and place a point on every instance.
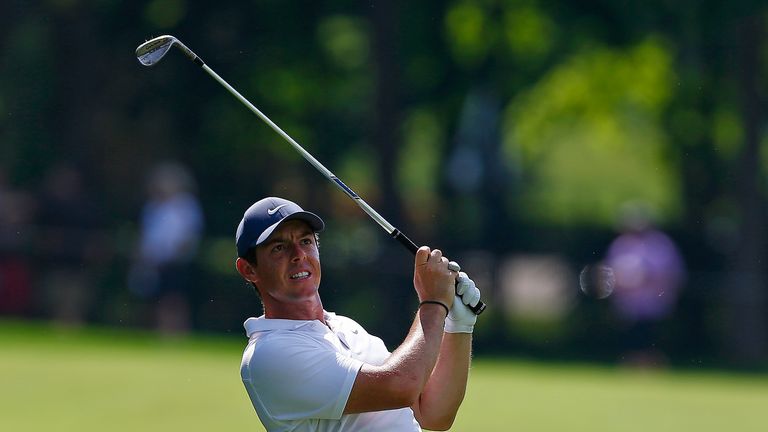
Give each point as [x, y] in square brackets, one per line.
[67, 240]
[171, 227]
[649, 272]
[15, 280]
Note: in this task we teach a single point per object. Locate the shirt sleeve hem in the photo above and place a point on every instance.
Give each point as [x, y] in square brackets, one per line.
[346, 390]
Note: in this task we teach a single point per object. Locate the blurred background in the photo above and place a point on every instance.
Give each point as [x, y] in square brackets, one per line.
[613, 147]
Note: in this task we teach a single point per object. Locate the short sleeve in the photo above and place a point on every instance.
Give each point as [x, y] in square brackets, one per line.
[295, 377]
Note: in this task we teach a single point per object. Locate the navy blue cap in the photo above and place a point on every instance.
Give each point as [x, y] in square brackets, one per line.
[263, 217]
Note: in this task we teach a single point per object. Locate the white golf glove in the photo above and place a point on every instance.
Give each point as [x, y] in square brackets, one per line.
[461, 319]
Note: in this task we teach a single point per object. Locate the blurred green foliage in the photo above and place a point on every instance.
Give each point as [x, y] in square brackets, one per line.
[590, 137]
[418, 170]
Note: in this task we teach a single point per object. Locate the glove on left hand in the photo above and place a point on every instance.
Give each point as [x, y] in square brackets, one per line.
[461, 319]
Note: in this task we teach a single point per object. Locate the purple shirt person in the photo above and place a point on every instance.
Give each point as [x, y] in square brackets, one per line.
[648, 271]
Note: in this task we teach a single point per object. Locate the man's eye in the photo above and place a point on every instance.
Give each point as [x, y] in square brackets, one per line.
[307, 241]
[277, 248]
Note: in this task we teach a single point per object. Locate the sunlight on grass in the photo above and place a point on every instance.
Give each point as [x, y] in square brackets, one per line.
[118, 380]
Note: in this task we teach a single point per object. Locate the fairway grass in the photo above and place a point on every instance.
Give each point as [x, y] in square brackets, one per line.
[515, 396]
[116, 380]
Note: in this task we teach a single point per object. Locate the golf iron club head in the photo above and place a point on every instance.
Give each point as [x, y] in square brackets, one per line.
[152, 51]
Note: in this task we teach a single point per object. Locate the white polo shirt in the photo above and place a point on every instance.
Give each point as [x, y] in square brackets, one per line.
[299, 374]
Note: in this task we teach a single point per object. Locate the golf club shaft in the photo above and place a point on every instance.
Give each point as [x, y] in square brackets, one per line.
[391, 230]
[311, 159]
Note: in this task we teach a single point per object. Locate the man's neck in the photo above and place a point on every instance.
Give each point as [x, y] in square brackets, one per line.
[306, 311]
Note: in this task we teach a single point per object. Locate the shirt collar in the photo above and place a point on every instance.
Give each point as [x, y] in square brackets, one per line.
[260, 324]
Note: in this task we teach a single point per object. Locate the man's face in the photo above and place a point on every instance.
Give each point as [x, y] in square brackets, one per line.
[288, 264]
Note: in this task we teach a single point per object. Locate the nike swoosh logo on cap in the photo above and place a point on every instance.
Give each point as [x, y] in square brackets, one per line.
[274, 210]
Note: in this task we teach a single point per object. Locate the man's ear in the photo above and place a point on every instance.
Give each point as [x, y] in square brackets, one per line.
[246, 270]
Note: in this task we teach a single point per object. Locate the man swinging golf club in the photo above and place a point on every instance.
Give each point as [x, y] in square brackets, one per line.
[307, 369]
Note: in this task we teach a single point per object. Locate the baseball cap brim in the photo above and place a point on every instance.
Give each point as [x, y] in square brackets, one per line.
[312, 219]
[262, 219]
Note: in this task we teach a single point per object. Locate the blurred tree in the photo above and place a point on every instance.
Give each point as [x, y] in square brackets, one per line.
[589, 137]
[386, 101]
[27, 85]
[747, 290]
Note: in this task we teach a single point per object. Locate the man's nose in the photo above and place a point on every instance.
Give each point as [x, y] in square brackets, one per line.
[297, 253]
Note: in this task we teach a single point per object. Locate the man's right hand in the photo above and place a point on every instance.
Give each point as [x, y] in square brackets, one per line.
[431, 277]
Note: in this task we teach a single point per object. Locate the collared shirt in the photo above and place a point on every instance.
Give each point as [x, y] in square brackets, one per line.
[299, 375]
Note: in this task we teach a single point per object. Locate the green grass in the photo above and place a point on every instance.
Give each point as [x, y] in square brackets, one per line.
[97, 380]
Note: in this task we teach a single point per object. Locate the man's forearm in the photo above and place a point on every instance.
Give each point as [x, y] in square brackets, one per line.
[419, 353]
[445, 389]
[401, 379]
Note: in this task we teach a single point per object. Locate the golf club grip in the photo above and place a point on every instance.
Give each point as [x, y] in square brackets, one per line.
[411, 246]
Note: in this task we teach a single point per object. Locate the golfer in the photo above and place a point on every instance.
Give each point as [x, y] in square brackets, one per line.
[307, 369]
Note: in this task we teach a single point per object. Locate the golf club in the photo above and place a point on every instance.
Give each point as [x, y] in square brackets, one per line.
[152, 51]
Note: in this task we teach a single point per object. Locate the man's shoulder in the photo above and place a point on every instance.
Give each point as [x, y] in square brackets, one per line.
[346, 322]
[276, 349]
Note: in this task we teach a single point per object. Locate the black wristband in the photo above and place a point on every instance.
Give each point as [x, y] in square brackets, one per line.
[447, 311]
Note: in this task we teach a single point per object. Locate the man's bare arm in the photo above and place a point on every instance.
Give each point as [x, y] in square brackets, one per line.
[400, 380]
[438, 404]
